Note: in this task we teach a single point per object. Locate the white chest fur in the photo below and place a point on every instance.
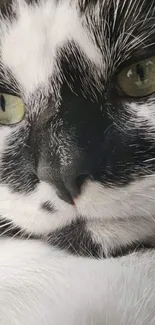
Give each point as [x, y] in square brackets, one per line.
[40, 285]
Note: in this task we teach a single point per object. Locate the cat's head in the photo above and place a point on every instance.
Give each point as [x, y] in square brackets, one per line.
[77, 120]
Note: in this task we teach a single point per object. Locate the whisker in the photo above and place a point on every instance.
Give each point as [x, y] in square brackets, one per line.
[147, 196]
[8, 230]
[149, 160]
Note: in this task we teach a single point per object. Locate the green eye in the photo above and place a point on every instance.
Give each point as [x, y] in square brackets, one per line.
[11, 109]
[138, 80]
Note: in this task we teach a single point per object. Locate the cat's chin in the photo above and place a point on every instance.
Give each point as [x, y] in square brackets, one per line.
[102, 219]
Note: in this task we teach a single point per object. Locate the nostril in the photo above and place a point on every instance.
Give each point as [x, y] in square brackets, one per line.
[81, 179]
[65, 196]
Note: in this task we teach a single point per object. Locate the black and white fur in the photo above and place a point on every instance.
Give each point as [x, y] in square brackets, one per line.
[77, 175]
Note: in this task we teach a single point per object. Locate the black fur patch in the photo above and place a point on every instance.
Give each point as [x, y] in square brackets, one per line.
[76, 240]
[9, 229]
[7, 10]
[47, 206]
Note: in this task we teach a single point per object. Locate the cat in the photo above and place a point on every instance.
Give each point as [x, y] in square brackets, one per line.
[77, 162]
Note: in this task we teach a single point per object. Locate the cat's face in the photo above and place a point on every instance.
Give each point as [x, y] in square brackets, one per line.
[84, 152]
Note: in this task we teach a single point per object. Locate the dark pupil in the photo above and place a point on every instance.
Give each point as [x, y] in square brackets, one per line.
[2, 103]
[140, 72]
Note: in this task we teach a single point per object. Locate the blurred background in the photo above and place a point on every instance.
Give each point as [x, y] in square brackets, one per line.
[2, 1]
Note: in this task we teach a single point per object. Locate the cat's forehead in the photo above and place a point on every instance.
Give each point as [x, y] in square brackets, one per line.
[29, 45]
[106, 32]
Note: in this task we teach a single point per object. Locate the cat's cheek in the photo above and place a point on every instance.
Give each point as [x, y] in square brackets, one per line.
[26, 210]
[99, 202]
[5, 133]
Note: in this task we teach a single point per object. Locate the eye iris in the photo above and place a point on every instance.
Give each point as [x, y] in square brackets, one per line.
[138, 79]
[12, 109]
[2, 103]
[140, 72]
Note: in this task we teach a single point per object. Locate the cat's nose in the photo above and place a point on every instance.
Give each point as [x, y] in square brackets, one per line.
[73, 178]
[68, 180]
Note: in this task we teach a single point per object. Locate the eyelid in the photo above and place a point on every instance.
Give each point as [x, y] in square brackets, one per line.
[134, 60]
[8, 91]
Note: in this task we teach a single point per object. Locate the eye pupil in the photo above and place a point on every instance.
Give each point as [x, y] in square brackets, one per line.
[140, 72]
[2, 103]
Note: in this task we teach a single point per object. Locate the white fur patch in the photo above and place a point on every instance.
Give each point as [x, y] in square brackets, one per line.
[142, 116]
[25, 210]
[136, 199]
[35, 37]
[41, 285]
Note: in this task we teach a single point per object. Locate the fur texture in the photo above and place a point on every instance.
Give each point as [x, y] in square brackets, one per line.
[78, 171]
[41, 285]
[63, 63]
